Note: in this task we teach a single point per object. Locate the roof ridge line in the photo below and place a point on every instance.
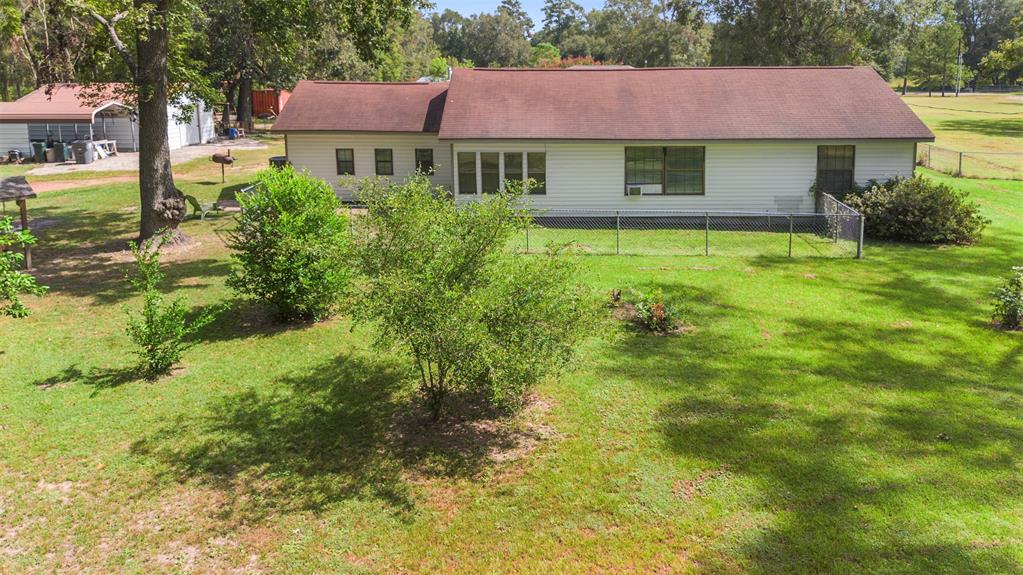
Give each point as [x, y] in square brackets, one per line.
[610, 68]
[373, 83]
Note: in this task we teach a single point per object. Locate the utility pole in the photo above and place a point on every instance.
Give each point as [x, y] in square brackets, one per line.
[959, 69]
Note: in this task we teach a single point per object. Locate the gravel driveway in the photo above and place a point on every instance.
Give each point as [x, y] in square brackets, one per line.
[125, 161]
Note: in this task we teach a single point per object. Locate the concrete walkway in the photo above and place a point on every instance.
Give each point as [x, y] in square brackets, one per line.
[129, 161]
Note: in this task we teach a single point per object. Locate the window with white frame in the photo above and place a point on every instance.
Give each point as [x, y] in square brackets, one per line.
[486, 172]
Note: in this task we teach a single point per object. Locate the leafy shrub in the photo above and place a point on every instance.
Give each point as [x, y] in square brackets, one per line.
[159, 331]
[656, 314]
[918, 210]
[1009, 301]
[473, 316]
[291, 245]
[13, 281]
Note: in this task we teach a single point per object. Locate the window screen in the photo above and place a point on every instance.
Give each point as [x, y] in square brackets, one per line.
[678, 169]
[683, 170]
[490, 172]
[835, 166]
[424, 160]
[466, 172]
[513, 165]
[385, 161]
[536, 164]
[345, 161]
[644, 166]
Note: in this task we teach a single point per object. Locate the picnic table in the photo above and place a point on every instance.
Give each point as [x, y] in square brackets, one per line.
[18, 190]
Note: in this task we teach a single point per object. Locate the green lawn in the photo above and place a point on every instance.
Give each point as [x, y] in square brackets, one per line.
[823, 415]
[989, 128]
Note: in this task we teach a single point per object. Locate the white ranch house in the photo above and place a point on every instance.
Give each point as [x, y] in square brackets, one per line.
[750, 139]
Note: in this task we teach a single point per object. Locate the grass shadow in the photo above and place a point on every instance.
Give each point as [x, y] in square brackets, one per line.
[344, 430]
[98, 378]
[243, 318]
[840, 483]
[991, 127]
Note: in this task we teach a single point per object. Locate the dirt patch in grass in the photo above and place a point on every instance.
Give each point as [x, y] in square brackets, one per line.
[54, 185]
[470, 429]
[690, 489]
[626, 312]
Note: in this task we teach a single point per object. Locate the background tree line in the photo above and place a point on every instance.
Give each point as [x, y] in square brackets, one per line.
[241, 44]
[220, 50]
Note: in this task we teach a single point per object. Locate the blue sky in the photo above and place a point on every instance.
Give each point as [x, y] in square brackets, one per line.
[534, 7]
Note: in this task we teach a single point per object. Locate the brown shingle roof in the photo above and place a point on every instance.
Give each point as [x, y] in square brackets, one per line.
[60, 103]
[677, 104]
[363, 107]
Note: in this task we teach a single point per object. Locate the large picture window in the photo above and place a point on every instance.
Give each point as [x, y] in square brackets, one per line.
[835, 168]
[424, 160]
[490, 172]
[385, 161]
[678, 170]
[536, 165]
[345, 161]
[466, 172]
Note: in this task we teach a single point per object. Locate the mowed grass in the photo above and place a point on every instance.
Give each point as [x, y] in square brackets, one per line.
[822, 415]
[983, 123]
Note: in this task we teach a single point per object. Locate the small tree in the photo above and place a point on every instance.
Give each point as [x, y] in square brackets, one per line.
[1009, 301]
[472, 315]
[159, 331]
[438, 68]
[291, 245]
[13, 281]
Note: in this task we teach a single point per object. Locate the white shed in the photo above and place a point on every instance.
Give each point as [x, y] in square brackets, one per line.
[65, 114]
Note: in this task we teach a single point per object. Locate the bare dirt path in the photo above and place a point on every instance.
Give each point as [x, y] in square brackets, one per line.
[54, 185]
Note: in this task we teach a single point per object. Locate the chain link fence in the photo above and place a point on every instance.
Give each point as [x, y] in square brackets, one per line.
[1002, 165]
[836, 232]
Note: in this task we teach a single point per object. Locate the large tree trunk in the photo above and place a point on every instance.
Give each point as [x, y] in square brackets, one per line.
[163, 206]
[5, 89]
[245, 103]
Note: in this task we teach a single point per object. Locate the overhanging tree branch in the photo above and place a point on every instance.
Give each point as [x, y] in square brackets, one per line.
[110, 26]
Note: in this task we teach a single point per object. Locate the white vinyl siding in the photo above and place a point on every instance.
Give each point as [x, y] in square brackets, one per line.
[315, 152]
[14, 137]
[197, 130]
[882, 160]
[739, 176]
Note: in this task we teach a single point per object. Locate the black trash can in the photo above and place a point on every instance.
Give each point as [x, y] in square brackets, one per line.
[61, 152]
[84, 152]
[278, 161]
[39, 151]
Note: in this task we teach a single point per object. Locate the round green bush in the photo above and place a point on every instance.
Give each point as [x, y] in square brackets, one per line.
[918, 210]
[291, 245]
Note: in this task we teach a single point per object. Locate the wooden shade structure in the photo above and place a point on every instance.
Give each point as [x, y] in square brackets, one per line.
[18, 190]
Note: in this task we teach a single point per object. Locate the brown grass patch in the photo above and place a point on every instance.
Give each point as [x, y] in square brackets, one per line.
[626, 312]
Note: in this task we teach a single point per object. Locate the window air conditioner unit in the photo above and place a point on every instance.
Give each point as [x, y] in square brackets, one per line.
[643, 189]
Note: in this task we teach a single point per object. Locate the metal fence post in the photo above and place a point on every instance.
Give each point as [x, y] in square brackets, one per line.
[527, 239]
[706, 234]
[618, 233]
[790, 235]
[960, 172]
[859, 244]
